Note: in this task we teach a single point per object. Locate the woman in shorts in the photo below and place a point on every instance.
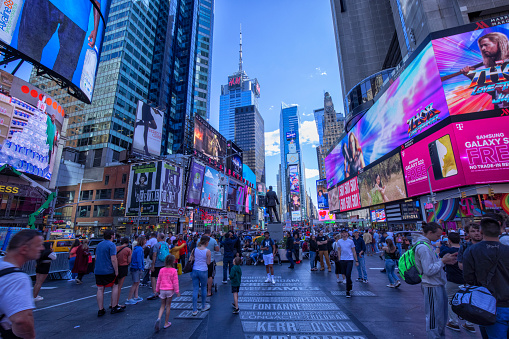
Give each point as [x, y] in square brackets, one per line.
[42, 268]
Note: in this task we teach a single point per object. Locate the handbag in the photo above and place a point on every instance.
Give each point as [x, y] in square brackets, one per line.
[190, 263]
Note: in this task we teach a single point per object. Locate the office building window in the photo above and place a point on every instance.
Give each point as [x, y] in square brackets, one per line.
[103, 194]
[101, 211]
[87, 195]
[84, 211]
[119, 193]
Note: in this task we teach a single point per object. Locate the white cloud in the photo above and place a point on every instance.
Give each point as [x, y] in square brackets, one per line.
[272, 146]
[319, 71]
[308, 133]
[312, 173]
[271, 107]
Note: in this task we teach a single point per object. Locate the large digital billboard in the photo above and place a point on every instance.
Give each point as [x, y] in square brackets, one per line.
[171, 190]
[334, 199]
[383, 182]
[293, 176]
[208, 141]
[474, 68]
[234, 161]
[325, 215]
[195, 183]
[144, 194]
[348, 195]
[212, 194]
[413, 103]
[63, 36]
[322, 198]
[484, 149]
[148, 130]
[439, 154]
[30, 125]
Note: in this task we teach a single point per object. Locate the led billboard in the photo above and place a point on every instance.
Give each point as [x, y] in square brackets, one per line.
[208, 142]
[322, 198]
[195, 183]
[212, 194]
[64, 37]
[383, 182]
[334, 199]
[235, 159]
[148, 130]
[348, 195]
[325, 215]
[144, 195]
[293, 176]
[171, 190]
[439, 154]
[484, 149]
[413, 103]
[474, 69]
[30, 125]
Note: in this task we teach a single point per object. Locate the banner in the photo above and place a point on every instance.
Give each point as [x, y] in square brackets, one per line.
[195, 183]
[148, 130]
[144, 193]
[322, 194]
[349, 198]
[171, 190]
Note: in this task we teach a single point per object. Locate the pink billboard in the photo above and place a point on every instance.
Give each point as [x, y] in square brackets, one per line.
[349, 198]
[325, 215]
[438, 153]
[484, 149]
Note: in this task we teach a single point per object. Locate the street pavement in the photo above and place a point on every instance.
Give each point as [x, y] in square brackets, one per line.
[301, 305]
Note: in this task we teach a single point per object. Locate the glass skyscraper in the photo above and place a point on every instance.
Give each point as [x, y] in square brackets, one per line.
[289, 124]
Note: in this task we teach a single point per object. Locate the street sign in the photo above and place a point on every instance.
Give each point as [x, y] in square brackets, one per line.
[181, 211]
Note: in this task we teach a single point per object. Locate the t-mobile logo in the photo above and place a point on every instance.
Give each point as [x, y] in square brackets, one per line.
[459, 126]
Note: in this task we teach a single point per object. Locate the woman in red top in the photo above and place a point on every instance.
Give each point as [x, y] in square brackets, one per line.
[72, 258]
[124, 259]
[81, 262]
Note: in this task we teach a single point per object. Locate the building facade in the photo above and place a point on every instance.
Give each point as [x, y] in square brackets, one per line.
[291, 157]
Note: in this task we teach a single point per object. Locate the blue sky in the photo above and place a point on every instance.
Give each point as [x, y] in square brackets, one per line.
[289, 46]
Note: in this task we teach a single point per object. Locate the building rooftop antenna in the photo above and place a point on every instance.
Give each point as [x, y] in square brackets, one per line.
[240, 52]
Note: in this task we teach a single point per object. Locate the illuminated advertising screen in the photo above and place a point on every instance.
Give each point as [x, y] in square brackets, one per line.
[234, 81]
[248, 174]
[325, 215]
[293, 175]
[212, 194]
[231, 198]
[248, 199]
[144, 193]
[171, 189]
[474, 69]
[380, 215]
[334, 199]
[234, 161]
[296, 216]
[208, 141]
[349, 198]
[383, 182]
[413, 103]
[240, 197]
[484, 149]
[322, 194]
[63, 36]
[195, 183]
[439, 153]
[30, 125]
[291, 135]
[148, 130]
[294, 202]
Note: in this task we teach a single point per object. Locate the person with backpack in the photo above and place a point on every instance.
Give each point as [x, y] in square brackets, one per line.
[433, 279]
[454, 279]
[475, 236]
[487, 264]
[229, 253]
[137, 270]
[504, 237]
[16, 300]
[391, 260]
[159, 253]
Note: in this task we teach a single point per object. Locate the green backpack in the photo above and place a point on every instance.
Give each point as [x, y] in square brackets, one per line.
[406, 265]
[163, 251]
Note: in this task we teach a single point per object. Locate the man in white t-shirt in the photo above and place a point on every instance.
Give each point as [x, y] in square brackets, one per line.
[16, 300]
[347, 254]
[152, 241]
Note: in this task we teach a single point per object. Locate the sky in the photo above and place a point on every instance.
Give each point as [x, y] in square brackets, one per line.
[289, 46]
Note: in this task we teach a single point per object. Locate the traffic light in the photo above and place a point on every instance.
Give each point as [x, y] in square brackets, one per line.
[491, 192]
[45, 219]
[141, 209]
[463, 195]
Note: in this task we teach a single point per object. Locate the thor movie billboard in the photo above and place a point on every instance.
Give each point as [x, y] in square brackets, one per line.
[63, 36]
[144, 189]
[322, 194]
[148, 130]
[413, 103]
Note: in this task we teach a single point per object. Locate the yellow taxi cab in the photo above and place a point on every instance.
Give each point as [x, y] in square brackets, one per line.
[61, 245]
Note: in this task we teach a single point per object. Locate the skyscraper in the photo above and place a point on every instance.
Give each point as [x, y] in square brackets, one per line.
[155, 51]
[291, 162]
[239, 92]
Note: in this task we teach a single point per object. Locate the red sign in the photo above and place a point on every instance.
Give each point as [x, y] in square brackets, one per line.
[349, 198]
[234, 81]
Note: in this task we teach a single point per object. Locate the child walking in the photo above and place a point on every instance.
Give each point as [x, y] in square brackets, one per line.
[167, 285]
[235, 277]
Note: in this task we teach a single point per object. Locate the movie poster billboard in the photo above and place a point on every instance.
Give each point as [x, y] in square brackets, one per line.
[294, 202]
[195, 183]
[474, 69]
[412, 104]
[63, 36]
[382, 183]
[348, 194]
[322, 198]
[171, 190]
[439, 154]
[293, 175]
[484, 149]
[212, 194]
[148, 130]
[207, 141]
[30, 125]
[144, 189]
[334, 199]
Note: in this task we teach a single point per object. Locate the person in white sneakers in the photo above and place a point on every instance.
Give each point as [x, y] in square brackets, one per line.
[269, 249]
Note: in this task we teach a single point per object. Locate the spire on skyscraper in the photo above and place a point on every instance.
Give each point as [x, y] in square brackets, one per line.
[240, 52]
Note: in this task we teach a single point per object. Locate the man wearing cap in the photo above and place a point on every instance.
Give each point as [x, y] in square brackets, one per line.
[360, 249]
